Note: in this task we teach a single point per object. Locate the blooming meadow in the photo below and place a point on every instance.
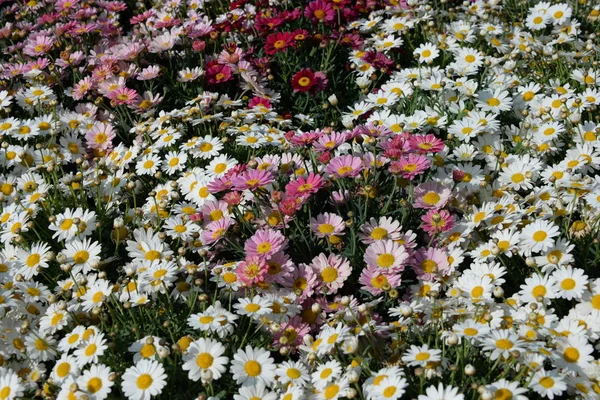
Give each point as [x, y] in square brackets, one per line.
[320, 199]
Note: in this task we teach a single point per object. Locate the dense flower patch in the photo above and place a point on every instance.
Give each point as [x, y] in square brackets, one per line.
[328, 199]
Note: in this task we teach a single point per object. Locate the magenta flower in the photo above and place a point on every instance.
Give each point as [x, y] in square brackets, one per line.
[411, 166]
[436, 221]
[218, 73]
[431, 195]
[252, 179]
[304, 186]
[431, 263]
[319, 11]
[264, 243]
[332, 271]
[344, 166]
[376, 281]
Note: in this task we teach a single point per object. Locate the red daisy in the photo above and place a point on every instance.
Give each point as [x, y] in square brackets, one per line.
[306, 80]
[278, 42]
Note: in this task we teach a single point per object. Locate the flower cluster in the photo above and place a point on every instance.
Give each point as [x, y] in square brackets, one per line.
[250, 200]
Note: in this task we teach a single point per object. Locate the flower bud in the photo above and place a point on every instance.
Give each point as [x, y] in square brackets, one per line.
[452, 340]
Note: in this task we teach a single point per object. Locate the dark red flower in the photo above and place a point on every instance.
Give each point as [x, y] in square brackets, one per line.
[266, 24]
[306, 80]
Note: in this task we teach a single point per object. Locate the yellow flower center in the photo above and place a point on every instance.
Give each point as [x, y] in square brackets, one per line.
[63, 369]
[94, 385]
[540, 236]
[252, 368]
[144, 381]
[431, 198]
[204, 360]
[81, 257]
[504, 344]
[329, 274]
[547, 382]
[90, 350]
[385, 260]
[571, 355]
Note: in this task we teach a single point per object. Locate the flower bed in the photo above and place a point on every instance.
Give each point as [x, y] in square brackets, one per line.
[328, 199]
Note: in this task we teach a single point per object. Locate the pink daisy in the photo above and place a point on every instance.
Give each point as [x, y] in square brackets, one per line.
[332, 270]
[431, 195]
[411, 166]
[293, 331]
[375, 281]
[386, 228]
[252, 271]
[327, 225]
[304, 186]
[81, 88]
[396, 147]
[344, 166]
[386, 255]
[340, 197]
[100, 136]
[252, 179]
[123, 95]
[304, 139]
[264, 243]
[214, 231]
[436, 221]
[424, 144]
[220, 185]
[303, 282]
[330, 142]
[431, 263]
[289, 206]
[408, 240]
[279, 268]
[232, 198]
[38, 46]
[372, 130]
[214, 210]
